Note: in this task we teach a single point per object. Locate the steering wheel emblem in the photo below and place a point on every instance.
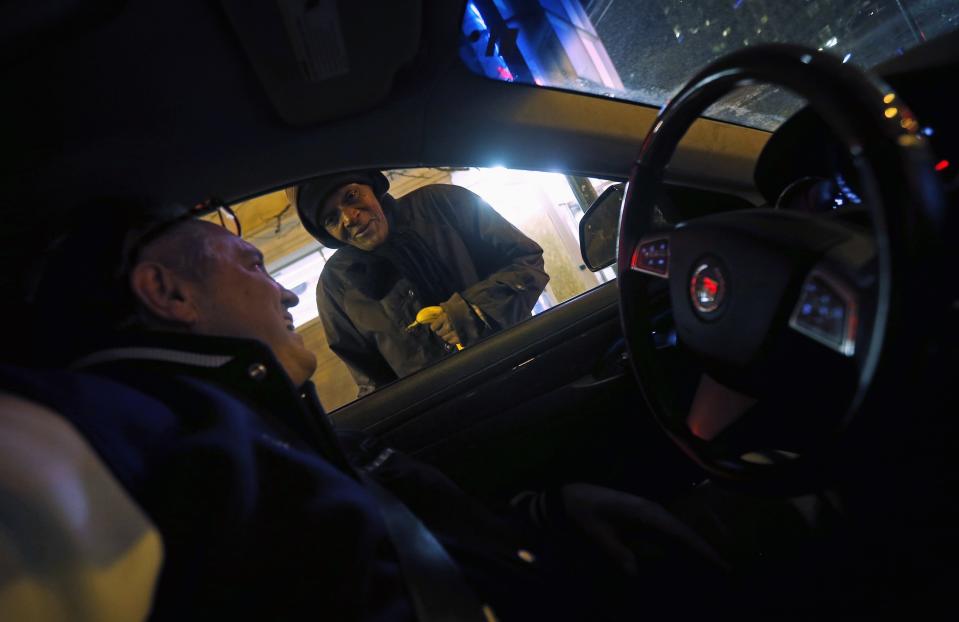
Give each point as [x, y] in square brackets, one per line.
[707, 287]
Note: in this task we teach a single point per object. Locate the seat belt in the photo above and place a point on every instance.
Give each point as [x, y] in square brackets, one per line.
[435, 584]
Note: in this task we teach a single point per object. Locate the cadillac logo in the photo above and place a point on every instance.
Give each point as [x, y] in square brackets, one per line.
[707, 288]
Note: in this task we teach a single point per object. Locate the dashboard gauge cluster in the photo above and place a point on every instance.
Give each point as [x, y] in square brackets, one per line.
[818, 195]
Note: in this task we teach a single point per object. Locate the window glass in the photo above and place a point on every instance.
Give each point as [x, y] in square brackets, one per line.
[545, 207]
[645, 50]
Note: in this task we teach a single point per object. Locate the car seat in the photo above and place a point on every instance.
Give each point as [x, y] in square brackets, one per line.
[73, 544]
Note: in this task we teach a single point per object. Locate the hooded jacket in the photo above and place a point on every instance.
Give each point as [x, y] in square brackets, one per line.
[366, 303]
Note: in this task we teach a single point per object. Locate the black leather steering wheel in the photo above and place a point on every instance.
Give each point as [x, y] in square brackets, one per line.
[791, 317]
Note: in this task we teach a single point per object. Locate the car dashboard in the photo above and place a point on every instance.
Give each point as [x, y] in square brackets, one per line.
[804, 167]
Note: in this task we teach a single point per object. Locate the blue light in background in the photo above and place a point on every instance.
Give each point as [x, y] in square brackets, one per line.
[493, 66]
[477, 16]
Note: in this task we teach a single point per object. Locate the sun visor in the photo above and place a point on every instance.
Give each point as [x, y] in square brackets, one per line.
[322, 59]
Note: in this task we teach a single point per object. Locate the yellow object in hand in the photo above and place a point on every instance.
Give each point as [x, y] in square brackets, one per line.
[427, 315]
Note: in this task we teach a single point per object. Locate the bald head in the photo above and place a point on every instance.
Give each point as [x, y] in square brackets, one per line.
[199, 278]
[90, 286]
[185, 248]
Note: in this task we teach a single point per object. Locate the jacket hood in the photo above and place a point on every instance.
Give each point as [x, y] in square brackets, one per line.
[310, 195]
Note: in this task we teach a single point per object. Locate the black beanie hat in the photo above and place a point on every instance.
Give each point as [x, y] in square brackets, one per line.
[310, 195]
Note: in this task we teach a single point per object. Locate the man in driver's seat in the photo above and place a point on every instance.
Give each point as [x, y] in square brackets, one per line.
[187, 378]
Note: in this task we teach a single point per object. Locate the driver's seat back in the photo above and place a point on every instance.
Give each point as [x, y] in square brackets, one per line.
[73, 544]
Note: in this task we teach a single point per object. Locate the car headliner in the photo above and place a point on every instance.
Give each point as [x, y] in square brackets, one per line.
[163, 100]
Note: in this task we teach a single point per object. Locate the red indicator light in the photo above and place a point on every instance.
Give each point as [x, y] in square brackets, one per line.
[710, 285]
[942, 165]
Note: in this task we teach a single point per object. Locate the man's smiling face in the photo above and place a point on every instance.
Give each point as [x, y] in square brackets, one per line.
[352, 214]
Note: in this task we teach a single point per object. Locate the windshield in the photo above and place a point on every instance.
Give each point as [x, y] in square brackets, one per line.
[645, 50]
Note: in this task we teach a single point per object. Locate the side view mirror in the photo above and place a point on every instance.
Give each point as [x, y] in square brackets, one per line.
[599, 228]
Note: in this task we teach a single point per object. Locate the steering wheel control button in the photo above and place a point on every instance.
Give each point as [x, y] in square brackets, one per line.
[827, 312]
[707, 287]
[651, 257]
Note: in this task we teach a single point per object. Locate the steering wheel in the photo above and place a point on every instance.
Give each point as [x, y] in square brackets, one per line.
[795, 320]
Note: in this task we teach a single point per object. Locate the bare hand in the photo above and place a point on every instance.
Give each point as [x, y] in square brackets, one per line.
[622, 525]
[443, 327]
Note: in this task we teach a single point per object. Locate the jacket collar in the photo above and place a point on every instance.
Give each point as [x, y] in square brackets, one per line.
[246, 368]
[197, 351]
[139, 353]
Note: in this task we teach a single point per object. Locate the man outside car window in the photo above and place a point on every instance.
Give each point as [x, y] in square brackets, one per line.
[439, 247]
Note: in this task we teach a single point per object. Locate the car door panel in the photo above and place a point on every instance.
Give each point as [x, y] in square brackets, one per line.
[466, 372]
[546, 402]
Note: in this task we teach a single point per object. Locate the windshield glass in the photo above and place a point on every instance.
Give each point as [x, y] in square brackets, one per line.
[645, 50]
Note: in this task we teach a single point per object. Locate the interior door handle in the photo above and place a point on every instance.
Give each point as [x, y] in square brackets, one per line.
[590, 381]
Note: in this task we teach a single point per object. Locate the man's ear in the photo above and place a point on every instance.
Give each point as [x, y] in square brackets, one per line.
[163, 293]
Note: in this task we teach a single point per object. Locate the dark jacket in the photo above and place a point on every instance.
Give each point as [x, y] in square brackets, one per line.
[258, 502]
[366, 304]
